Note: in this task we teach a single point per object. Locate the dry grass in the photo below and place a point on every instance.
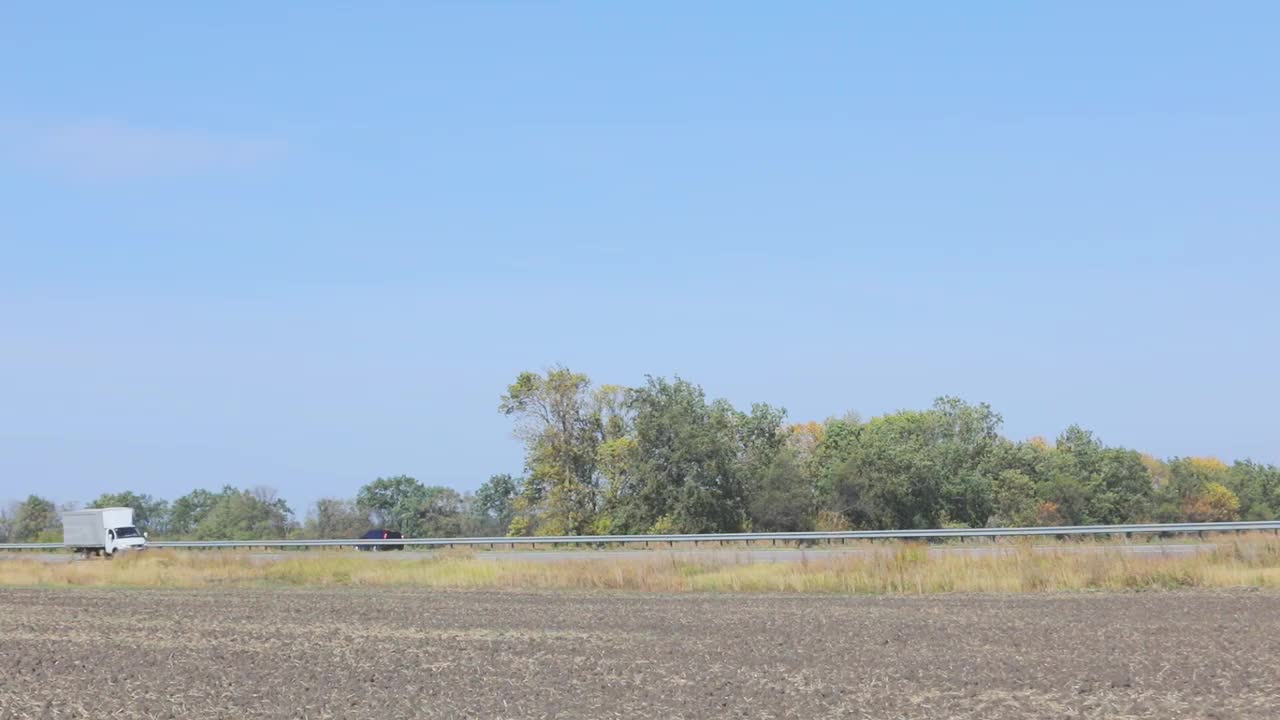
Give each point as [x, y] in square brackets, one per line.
[908, 568]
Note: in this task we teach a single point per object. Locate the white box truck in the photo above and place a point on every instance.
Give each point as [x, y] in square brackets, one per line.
[101, 531]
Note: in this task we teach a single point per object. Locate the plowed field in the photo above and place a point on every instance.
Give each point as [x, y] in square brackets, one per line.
[416, 654]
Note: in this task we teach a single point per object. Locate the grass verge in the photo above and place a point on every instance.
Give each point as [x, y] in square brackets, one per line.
[902, 568]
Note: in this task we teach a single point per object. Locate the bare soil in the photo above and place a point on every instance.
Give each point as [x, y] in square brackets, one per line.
[415, 654]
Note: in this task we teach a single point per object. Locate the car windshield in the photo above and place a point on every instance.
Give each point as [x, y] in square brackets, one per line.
[127, 532]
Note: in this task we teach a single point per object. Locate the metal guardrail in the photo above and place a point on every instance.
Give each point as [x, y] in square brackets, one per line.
[1150, 528]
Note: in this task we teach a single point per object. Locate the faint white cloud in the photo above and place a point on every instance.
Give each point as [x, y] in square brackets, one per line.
[113, 151]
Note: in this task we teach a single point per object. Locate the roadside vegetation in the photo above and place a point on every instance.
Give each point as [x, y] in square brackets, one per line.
[1251, 560]
[661, 458]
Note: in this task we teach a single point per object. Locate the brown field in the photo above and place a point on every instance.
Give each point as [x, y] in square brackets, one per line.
[415, 653]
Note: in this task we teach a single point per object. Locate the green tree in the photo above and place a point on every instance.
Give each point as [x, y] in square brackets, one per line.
[761, 434]
[781, 498]
[1090, 483]
[1014, 500]
[964, 439]
[336, 518]
[394, 503]
[562, 423]
[616, 460]
[1064, 501]
[1122, 490]
[761, 438]
[149, 514]
[899, 478]
[1032, 458]
[850, 493]
[404, 504]
[835, 448]
[1071, 467]
[34, 517]
[441, 512]
[493, 506]
[685, 458]
[1188, 478]
[1258, 488]
[912, 469]
[186, 513]
[256, 514]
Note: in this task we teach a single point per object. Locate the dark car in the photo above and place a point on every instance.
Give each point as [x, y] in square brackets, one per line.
[382, 535]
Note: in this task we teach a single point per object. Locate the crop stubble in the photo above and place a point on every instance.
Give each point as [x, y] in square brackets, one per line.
[403, 654]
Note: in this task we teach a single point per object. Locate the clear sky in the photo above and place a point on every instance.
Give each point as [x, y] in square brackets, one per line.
[303, 246]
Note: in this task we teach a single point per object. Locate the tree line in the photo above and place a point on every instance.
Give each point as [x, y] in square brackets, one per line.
[661, 458]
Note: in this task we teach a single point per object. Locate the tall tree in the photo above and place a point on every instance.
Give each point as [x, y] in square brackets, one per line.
[35, 516]
[394, 503]
[964, 441]
[559, 419]
[1014, 502]
[441, 512]
[781, 498]
[187, 512]
[254, 514]
[892, 474]
[1189, 478]
[685, 476]
[1087, 482]
[404, 504]
[829, 465]
[494, 504]
[1122, 490]
[1258, 488]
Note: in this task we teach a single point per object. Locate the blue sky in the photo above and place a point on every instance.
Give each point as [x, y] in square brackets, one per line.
[305, 246]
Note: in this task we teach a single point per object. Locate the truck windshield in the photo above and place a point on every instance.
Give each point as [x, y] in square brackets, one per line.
[127, 532]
